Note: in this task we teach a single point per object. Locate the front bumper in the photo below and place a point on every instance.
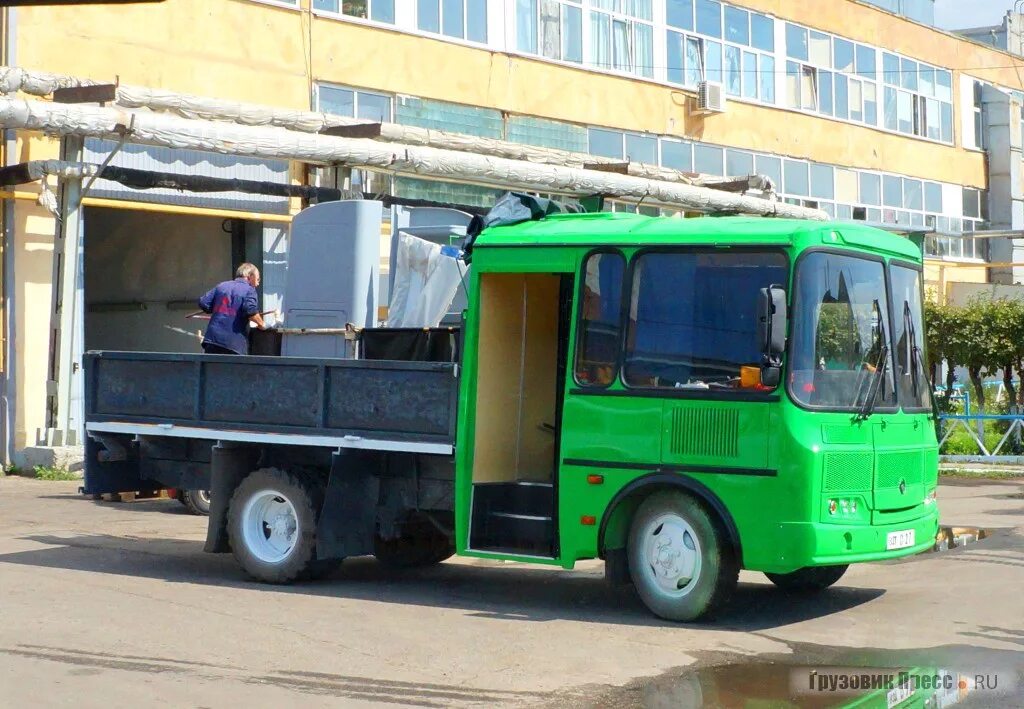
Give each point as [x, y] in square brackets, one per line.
[817, 544]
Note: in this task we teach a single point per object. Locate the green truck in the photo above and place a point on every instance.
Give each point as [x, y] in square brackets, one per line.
[682, 398]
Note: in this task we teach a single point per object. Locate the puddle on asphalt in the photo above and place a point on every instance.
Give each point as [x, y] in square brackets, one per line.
[955, 537]
[819, 677]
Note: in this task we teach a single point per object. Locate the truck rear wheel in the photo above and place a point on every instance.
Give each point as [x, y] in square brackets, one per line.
[272, 522]
[809, 579]
[682, 566]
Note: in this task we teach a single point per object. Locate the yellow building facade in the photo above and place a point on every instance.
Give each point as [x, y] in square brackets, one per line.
[841, 103]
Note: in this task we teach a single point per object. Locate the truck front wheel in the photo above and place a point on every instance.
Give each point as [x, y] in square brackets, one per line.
[809, 579]
[272, 522]
[682, 566]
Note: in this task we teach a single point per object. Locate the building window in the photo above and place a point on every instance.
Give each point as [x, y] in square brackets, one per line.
[802, 86]
[622, 38]
[692, 320]
[918, 98]
[634, 147]
[462, 19]
[770, 167]
[870, 189]
[739, 163]
[550, 28]
[708, 160]
[979, 115]
[676, 155]
[822, 181]
[709, 18]
[796, 178]
[376, 10]
[353, 103]
[831, 76]
[707, 41]
[972, 203]
[679, 13]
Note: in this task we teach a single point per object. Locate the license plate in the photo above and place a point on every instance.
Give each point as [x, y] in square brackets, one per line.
[899, 540]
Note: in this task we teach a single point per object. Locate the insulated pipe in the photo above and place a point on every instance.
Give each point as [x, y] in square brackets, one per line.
[37, 83]
[278, 143]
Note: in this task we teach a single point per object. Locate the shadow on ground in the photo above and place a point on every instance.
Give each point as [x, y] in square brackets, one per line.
[498, 591]
[424, 694]
[155, 504]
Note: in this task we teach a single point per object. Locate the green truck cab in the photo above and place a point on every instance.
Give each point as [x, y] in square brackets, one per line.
[682, 398]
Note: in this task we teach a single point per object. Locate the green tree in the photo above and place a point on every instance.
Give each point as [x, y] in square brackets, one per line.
[940, 323]
[1005, 319]
[984, 336]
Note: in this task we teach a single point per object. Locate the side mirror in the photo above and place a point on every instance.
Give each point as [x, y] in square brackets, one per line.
[771, 331]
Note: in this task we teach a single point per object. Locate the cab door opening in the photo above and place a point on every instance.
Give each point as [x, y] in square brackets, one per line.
[523, 331]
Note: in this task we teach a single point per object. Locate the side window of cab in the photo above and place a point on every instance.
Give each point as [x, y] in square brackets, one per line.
[599, 331]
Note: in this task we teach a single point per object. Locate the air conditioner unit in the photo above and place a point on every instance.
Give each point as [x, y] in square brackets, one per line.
[710, 97]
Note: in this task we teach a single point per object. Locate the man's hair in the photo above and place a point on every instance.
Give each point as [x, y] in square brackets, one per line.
[246, 270]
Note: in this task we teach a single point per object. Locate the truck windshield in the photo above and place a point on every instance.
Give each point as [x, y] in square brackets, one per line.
[908, 338]
[839, 329]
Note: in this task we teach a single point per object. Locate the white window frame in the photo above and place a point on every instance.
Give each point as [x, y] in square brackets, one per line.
[465, 21]
[617, 15]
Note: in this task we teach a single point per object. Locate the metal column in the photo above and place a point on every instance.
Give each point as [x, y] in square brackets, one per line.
[67, 249]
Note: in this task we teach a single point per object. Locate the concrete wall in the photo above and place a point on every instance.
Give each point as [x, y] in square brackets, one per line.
[940, 276]
[960, 293]
[33, 275]
[151, 260]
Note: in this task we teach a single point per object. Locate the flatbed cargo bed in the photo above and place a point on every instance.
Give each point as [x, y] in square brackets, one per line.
[368, 404]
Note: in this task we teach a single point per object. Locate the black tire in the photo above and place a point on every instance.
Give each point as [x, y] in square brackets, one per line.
[710, 584]
[305, 497]
[421, 544]
[809, 579]
[196, 501]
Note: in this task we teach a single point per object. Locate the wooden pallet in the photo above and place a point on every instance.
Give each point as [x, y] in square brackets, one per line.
[131, 496]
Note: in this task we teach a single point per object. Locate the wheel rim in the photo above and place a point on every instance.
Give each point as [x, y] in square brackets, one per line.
[270, 525]
[204, 495]
[671, 555]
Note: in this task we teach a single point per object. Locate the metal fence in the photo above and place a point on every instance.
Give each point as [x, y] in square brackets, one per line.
[974, 425]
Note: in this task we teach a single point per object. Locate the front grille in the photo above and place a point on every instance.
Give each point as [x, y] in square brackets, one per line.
[896, 467]
[847, 471]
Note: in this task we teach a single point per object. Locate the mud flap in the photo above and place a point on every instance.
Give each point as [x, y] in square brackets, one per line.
[112, 465]
[229, 464]
[348, 519]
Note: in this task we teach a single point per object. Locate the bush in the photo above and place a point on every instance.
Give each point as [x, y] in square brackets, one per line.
[961, 443]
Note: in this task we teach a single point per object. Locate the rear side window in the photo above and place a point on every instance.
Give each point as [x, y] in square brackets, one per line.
[693, 317]
[600, 319]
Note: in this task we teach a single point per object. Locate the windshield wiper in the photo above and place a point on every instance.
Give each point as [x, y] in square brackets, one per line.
[878, 376]
[914, 354]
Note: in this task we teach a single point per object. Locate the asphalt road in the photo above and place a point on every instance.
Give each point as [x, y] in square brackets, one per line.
[115, 605]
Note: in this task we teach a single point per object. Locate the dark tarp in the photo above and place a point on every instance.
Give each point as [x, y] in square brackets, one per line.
[440, 344]
[515, 208]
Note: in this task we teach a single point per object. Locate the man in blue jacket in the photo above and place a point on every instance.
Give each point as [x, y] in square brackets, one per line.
[232, 305]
